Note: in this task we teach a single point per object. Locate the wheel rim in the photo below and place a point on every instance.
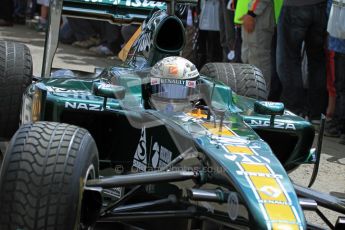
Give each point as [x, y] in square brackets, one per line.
[90, 174]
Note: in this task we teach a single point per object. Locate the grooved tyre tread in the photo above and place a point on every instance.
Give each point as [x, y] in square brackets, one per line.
[15, 77]
[42, 176]
[244, 79]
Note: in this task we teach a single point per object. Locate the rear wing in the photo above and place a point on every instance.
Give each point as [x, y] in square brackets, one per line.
[113, 11]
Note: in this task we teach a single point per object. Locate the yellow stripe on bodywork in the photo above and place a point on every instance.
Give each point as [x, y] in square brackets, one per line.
[215, 130]
[256, 168]
[236, 149]
[281, 226]
[268, 188]
[278, 212]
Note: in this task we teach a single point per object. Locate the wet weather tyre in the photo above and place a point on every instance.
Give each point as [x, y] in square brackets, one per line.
[43, 175]
[243, 79]
[15, 77]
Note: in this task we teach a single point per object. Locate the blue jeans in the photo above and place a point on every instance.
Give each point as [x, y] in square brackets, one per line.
[298, 24]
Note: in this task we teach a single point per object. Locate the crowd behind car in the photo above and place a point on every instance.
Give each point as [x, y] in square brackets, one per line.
[303, 65]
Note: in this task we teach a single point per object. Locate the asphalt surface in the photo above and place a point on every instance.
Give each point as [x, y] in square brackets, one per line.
[331, 177]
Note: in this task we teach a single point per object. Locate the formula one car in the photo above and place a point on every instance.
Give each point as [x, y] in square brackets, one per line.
[151, 144]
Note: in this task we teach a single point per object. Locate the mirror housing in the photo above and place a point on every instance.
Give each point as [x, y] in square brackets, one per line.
[269, 108]
[108, 90]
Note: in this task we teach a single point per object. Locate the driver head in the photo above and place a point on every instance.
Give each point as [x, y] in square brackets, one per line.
[173, 83]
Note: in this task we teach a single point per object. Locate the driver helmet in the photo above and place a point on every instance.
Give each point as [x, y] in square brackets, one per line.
[173, 83]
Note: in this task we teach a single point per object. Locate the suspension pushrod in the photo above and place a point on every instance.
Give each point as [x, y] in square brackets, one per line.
[142, 178]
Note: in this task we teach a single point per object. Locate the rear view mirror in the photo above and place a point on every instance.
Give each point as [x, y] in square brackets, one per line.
[269, 108]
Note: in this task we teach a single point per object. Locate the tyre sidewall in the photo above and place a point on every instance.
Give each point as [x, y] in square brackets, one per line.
[86, 156]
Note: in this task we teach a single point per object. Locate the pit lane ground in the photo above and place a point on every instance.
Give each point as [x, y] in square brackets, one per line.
[331, 177]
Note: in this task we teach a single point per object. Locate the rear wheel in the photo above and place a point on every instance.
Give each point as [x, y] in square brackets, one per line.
[243, 79]
[42, 179]
[15, 77]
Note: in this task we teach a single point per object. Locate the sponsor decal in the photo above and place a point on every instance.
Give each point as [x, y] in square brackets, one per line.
[259, 174]
[155, 157]
[84, 106]
[191, 84]
[270, 191]
[145, 41]
[135, 3]
[277, 124]
[105, 85]
[270, 103]
[173, 69]
[268, 188]
[140, 156]
[155, 81]
[161, 156]
[173, 81]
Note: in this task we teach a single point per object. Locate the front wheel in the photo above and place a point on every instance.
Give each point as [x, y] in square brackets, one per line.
[43, 175]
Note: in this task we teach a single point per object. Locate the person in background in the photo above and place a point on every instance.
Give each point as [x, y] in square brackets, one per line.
[227, 29]
[209, 46]
[188, 51]
[19, 15]
[127, 32]
[303, 21]
[79, 32]
[42, 23]
[111, 40]
[336, 127]
[257, 33]
[101, 38]
[32, 8]
[6, 13]
[276, 86]
[330, 126]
